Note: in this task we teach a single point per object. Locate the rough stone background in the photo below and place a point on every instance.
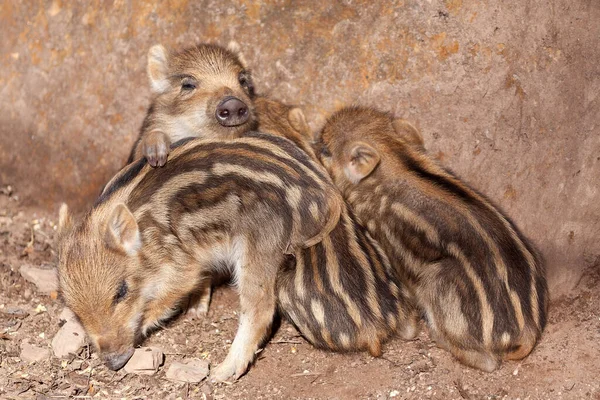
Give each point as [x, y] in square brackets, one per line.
[505, 92]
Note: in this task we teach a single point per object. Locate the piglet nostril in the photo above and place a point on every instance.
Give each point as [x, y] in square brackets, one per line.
[232, 112]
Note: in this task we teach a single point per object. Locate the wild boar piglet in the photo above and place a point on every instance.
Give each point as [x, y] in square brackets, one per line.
[155, 235]
[342, 293]
[479, 283]
[202, 91]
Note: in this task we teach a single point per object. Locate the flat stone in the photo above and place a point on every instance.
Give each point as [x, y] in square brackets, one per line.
[46, 280]
[31, 353]
[70, 337]
[145, 361]
[192, 370]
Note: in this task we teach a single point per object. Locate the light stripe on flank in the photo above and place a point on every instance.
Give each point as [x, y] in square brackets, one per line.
[333, 273]
[318, 311]
[303, 311]
[293, 197]
[352, 198]
[407, 260]
[533, 269]
[372, 226]
[319, 314]
[454, 320]
[362, 208]
[313, 208]
[534, 301]
[284, 298]
[394, 289]
[392, 321]
[383, 205]
[377, 256]
[254, 175]
[299, 276]
[344, 340]
[500, 267]
[327, 337]
[465, 190]
[487, 315]
[364, 263]
[416, 221]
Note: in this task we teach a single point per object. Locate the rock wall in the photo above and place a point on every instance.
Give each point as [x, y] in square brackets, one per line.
[505, 93]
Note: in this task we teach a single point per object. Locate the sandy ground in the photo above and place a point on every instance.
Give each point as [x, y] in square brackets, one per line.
[565, 364]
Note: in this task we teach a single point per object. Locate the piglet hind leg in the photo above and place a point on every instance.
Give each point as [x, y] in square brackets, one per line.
[199, 301]
[256, 285]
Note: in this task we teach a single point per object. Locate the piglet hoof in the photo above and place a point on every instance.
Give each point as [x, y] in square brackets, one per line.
[156, 155]
[155, 148]
[198, 312]
[228, 371]
[223, 373]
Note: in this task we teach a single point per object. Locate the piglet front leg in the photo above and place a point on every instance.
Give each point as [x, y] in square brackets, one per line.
[256, 285]
[155, 147]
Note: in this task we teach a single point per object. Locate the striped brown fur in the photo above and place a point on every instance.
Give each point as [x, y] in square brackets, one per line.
[479, 283]
[154, 235]
[187, 87]
[342, 293]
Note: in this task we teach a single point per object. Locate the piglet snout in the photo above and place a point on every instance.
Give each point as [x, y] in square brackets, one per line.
[232, 111]
[116, 360]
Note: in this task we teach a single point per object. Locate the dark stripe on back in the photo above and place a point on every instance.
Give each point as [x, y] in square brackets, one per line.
[441, 181]
[132, 170]
[292, 149]
[217, 152]
[173, 165]
[183, 141]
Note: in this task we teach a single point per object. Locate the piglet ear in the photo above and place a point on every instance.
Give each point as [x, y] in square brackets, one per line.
[363, 160]
[122, 231]
[407, 132]
[297, 120]
[235, 48]
[65, 222]
[158, 67]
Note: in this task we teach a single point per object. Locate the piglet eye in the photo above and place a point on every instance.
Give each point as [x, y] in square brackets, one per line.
[246, 82]
[325, 152]
[188, 84]
[121, 292]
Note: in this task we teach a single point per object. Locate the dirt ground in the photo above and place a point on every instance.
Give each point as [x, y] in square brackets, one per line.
[563, 366]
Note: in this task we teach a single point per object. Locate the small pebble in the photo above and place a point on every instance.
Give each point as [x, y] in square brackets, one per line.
[31, 353]
[46, 280]
[145, 361]
[70, 337]
[40, 308]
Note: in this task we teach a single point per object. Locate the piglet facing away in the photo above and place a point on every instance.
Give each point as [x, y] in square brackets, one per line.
[342, 293]
[479, 283]
[154, 236]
